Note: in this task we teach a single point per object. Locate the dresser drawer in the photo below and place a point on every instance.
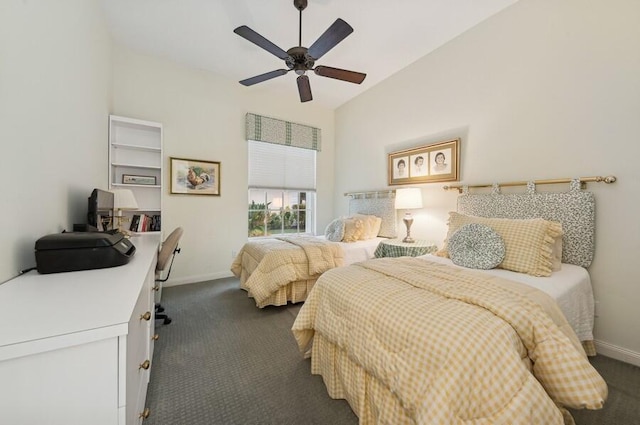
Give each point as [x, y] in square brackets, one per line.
[138, 354]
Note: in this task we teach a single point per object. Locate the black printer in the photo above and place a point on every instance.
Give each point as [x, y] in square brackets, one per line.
[71, 251]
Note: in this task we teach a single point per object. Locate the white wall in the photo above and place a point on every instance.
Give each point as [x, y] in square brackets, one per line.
[544, 89]
[203, 118]
[54, 103]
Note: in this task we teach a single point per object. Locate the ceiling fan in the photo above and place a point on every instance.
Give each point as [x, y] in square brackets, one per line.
[301, 59]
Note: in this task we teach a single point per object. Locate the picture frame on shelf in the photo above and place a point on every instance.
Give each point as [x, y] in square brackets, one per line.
[143, 180]
[437, 162]
[195, 177]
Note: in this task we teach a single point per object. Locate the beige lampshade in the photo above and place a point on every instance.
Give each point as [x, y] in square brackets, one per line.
[408, 198]
[123, 199]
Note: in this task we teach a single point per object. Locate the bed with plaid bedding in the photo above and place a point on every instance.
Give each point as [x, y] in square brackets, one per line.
[407, 340]
[275, 271]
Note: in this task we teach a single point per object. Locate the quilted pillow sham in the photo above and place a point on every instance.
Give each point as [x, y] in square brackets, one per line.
[476, 246]
[556, 254]
[528, 242]
[371, 225]
[377, 224]
[353, 229]
[335, 230]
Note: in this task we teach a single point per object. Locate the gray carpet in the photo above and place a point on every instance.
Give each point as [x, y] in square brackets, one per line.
[224, 361]
[623, 405]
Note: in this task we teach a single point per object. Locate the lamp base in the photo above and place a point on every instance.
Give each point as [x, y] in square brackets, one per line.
[408, 221]
[126, 233]
[119, 220]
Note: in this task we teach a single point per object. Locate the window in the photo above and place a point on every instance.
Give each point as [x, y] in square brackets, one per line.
[274, 212]
[282, 183]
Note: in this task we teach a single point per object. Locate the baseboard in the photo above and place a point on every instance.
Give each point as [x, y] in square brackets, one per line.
[618, 353]
[195, 279]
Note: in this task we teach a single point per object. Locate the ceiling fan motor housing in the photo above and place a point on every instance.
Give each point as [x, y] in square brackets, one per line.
[299, 60]
[300, 4]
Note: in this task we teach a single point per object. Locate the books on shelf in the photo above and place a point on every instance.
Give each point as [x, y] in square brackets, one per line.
[145, 223]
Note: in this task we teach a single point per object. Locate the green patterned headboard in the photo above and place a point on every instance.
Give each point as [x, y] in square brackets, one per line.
[381, 204]
[575, 209]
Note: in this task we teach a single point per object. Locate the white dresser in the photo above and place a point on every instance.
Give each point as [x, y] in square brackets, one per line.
[75, 348]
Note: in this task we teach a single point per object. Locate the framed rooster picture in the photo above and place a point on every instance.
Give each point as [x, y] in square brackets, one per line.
[195, 177]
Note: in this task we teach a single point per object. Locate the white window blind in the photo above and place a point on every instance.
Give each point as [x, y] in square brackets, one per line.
[281, 167]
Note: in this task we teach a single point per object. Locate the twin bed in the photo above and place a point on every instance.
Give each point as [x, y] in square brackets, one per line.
[277, 271]
[280, 270]
[423, 340]
[432, 341]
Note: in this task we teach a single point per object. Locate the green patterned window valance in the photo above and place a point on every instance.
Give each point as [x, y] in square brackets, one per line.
[271, 130]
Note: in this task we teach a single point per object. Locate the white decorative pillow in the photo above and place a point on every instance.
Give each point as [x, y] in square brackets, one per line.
[476, 246]
[335, 230]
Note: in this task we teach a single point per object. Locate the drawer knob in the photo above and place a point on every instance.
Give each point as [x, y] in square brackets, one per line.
[145, 365]
[156, 288]
[146, 316]
[145, 413]
[155, 337]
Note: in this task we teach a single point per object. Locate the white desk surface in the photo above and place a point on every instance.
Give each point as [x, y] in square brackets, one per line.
[40, 312]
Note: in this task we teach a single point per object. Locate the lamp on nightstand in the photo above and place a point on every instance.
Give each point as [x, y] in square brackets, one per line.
[408, 199]
[123, 200]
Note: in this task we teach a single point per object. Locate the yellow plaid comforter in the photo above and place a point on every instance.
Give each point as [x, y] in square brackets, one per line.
[264, 266]
[442, 345]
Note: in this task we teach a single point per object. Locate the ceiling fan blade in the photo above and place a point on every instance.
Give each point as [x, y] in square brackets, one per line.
[263, 77]
[304, 88]
[340, 74]
[246, 32]
[337, 32]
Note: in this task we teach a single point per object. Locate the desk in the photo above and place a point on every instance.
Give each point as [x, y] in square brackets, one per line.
[397, 248]
[76, 347]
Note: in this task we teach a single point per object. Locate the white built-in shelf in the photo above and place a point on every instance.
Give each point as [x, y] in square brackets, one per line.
[148, 167]
[136, 147]
[129, 185]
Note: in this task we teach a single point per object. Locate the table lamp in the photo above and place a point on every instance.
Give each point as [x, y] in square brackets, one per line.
[408, 199]
[123, 200]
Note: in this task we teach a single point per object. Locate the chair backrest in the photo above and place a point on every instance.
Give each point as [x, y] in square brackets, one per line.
[169, 246]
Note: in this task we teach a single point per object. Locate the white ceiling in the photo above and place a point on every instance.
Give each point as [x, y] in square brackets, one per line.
[388, 35]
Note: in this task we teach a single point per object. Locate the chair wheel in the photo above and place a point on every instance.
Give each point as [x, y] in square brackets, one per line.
[159, 309]
[166, 321]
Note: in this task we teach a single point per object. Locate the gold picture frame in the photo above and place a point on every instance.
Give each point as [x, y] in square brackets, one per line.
[437, 162]
[195, 177]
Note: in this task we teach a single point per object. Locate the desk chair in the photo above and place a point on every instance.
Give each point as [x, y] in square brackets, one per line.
[168, 251]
